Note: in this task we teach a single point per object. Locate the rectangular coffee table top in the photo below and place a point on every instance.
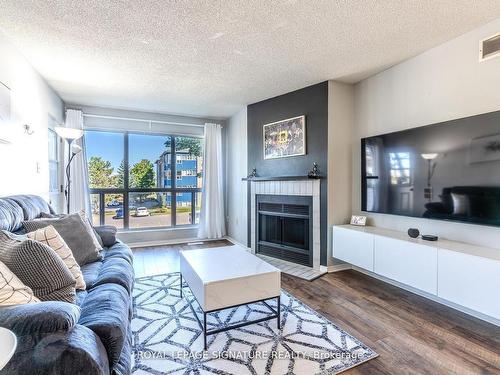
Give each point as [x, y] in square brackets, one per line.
[223, 263]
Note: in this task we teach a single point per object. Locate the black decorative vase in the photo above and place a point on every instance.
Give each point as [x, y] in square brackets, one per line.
[413, 232]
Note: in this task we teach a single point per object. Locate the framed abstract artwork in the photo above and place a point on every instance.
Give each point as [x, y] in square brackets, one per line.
[285, 138]
[484, 149]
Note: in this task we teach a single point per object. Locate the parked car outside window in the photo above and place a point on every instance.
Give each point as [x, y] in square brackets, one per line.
[118, 214]
[141, 211]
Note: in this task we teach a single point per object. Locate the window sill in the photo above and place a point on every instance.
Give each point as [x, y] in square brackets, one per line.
[158, 236]
[166, 229]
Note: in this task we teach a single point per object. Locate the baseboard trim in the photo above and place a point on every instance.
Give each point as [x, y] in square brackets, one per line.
[465, 310]
[335, 267]
[231, 239]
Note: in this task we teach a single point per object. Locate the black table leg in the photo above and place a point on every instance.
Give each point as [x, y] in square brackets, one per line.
[181, 285]
[204, 330]
[203, 326]
[278, 309]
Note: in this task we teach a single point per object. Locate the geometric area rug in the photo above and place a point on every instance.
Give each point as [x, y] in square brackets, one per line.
[167, 338]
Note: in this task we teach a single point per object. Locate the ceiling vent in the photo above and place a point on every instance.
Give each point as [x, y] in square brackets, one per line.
[489, 47]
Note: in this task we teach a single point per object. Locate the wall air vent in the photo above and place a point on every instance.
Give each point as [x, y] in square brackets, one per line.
[489, 47]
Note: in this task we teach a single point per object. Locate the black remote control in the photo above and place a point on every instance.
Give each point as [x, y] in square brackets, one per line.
[429, 237]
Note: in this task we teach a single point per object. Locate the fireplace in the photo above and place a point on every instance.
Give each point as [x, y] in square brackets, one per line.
[284, 227]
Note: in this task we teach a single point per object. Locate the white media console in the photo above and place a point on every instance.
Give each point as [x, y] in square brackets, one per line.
[460, 275]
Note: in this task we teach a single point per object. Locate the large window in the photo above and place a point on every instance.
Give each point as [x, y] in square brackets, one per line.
[131, 179]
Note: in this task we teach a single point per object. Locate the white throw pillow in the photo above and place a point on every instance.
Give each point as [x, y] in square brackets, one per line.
[50, 237]
[12, 290]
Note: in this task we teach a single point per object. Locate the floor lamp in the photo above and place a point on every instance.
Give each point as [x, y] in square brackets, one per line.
[69, 135]
[431, 167]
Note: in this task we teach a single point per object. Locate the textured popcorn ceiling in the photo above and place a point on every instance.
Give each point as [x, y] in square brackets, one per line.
[209, 58]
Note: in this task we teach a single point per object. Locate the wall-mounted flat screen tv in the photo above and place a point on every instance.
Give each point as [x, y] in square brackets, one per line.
[447, 171]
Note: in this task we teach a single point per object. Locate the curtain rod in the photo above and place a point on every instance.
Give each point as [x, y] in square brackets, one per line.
[142, 120]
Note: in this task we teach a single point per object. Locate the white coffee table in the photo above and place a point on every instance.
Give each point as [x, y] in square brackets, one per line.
[227, 277]
[8, 344]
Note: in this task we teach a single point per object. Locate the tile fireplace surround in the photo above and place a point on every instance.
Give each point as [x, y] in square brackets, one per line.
[291, 187]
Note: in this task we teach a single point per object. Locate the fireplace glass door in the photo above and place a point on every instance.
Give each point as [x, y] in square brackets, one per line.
[288, 231]
[295, 232]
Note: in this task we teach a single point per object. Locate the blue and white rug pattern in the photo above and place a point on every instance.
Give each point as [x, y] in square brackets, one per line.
[167, 338]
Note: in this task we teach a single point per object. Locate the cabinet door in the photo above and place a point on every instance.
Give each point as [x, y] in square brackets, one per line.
[353, 246]
[409, 263]
[470, 281]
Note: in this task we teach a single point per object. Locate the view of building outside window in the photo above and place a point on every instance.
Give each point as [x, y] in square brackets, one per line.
[154, 198]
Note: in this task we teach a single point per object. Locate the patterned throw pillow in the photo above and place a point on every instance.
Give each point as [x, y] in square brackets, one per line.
[12, 290]
[50, 237]
[39, 267]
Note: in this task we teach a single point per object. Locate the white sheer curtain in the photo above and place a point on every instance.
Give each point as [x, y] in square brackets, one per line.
[212, 223]
[79, 199]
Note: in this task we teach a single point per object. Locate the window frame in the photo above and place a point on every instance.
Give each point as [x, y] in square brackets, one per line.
[126, 189]
[55, 161]
[399, 167]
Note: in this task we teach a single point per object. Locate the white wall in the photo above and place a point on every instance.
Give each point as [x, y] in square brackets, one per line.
[236, 167]
[444, 83]
[24, 162]
[340, 124]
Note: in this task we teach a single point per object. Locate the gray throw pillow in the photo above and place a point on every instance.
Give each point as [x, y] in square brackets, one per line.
[75, 233]
[38, 267]
[97, 237]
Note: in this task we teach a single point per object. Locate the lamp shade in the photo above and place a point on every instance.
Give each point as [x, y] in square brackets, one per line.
[429, 156]
[68, 133]
[75, 149]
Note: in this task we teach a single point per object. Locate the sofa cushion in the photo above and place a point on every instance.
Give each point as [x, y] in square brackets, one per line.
[112, 270]
[39, 267]
[107, 234]
[105, 311]
[91, 272]
[119, 250]
[32, 205]
[36, 319]
[11, 215]
[78, 351]
[75, 232]
[125, 362]
[80, 296]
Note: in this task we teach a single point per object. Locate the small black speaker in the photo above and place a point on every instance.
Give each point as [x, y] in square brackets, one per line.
[413, 232]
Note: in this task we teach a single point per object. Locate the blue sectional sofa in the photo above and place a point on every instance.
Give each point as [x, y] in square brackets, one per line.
[92, 336]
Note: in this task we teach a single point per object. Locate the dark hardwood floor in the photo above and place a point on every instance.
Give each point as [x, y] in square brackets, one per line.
[411, 334]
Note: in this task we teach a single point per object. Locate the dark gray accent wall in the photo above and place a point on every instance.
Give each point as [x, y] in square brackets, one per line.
[312, 102]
